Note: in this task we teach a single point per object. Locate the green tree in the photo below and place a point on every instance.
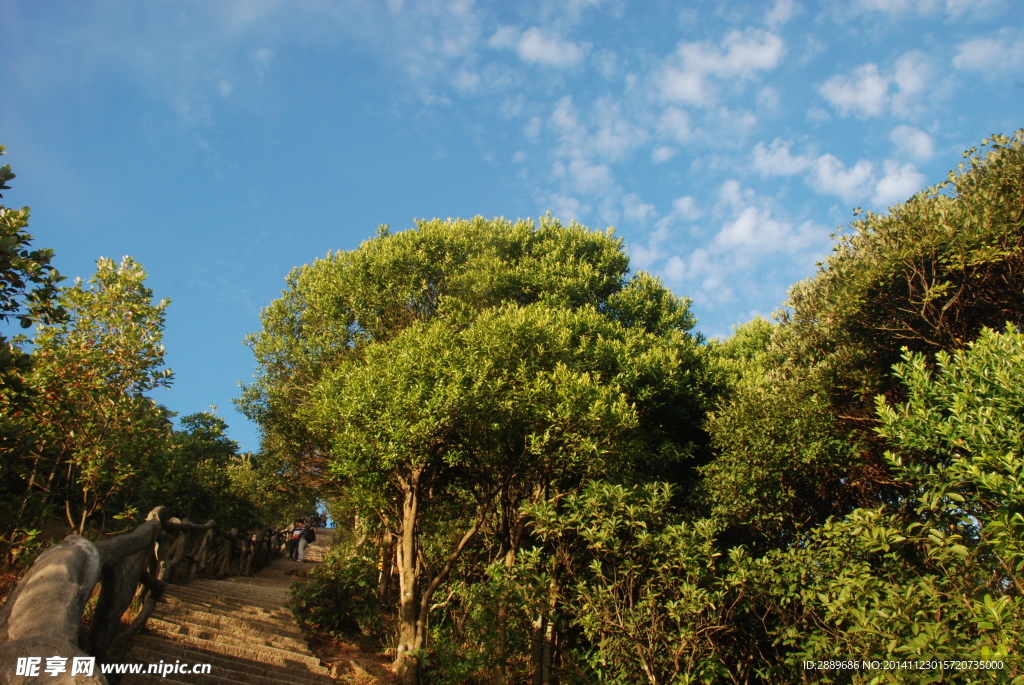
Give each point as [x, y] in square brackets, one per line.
[28, 283]
[795, 436]
[97, 429]
[28, 293]
[644, 585]
[200, 475]
[851, 531]
[451, 372]
[935, 578]
[190, 476]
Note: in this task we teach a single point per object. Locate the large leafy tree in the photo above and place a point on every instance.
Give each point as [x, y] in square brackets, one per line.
[796, 436]
[28, 283]
[200, 475]
[451, 372]
[864, 539]
[28, 293]
[97, 428]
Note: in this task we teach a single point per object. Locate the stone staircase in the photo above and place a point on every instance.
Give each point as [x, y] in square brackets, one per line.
[240, 626]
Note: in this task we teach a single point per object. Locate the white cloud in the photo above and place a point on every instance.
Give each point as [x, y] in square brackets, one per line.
[990, 55]
[687, 87]
[952, 8]
[584, 176]
[615, 134]
[743, 54]
[899, 6]
[676, 123]
[777, 160]
[735, 124]
[912, 77]
[686, 208]
[899, 184]
[565, 208]
[224, 88]
[260, 60]
[567, 123]
[662, 154]
[636, 211]
[731, 194]
[540, 48]
[512, 106]
[978, 8]
[533, 128]
[466, 81]
[817, 115]
[781, 12]
[739, 56]
[643, 256]
[582, 152]
[830, 176]
[864, 93]
[756, 234]
[913, 142]
[504, 37]
[606, 63]
[768, 99]
[753, 241]
[460, 7]
[675, 269]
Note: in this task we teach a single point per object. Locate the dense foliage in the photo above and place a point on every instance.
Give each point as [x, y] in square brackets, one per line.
[605, 499]
[445, 376]
[543, 475]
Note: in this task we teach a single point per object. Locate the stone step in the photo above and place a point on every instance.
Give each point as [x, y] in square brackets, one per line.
[226, 678]
[220, 644]
[241, 626]
[233, 622]
[243, 591]
[170, 625]
[221, 666]
[219, 601]
[246, 594]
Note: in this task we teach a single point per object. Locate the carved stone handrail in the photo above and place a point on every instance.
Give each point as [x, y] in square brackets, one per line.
[44, 611]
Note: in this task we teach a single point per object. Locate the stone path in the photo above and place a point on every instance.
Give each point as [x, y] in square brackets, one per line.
[240, 626]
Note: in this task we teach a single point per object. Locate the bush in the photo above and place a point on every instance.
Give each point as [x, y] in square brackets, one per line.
[341, 598]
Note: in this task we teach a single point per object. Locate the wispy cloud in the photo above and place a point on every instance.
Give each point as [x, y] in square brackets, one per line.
[990, 56]
[952, 8]
[867, 92]
[913, 142]
[689, 76]
[538, 47]
[864, 93]
[742, 251]
[828, 175]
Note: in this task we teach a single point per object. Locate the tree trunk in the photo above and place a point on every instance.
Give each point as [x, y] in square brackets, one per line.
[537, 648]
[413, 604]
[513, 536]
[28, 489]
[406, 664]
[387, 562]
[545, 633]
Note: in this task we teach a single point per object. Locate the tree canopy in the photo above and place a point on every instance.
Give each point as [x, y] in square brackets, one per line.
[476, 362]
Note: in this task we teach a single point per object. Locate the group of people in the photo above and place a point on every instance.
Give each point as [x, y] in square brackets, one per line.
[300, 533]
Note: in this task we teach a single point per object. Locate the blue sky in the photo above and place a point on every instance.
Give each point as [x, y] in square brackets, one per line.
[223, 143]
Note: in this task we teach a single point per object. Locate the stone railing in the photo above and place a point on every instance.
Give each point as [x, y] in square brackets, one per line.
[43, 615]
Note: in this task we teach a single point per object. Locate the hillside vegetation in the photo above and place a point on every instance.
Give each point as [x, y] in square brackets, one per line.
[543, 474]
